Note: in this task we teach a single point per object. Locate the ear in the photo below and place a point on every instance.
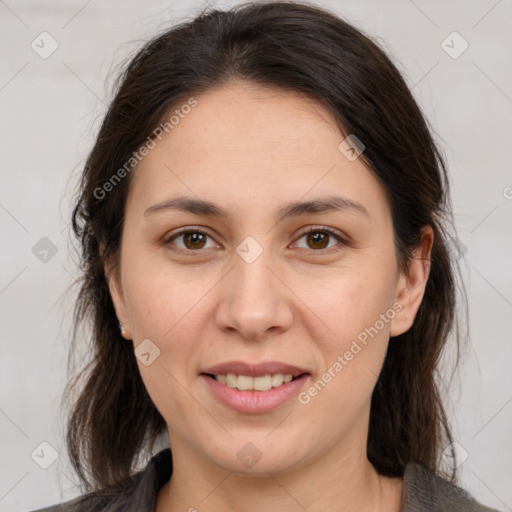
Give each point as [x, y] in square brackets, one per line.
[412, 283]
[116, 293]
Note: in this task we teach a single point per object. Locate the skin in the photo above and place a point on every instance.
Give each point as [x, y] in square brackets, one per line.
[251, 150]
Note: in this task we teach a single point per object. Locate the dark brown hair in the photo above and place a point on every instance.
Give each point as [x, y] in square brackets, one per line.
[309, 50]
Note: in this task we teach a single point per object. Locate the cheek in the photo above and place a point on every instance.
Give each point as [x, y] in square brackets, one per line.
[349, 303]
[161, 302]
[357, 308]
[165, 308]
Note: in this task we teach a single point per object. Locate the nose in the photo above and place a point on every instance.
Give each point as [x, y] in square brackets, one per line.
[254, 300]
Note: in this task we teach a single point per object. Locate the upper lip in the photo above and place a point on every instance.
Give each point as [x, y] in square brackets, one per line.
[254, 370]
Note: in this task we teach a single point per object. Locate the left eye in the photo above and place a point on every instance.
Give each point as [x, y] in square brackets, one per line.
[318, 239]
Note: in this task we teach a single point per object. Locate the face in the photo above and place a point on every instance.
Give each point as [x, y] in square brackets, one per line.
[253, 246]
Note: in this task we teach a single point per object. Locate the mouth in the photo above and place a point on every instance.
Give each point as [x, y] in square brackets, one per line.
[249, 383]
[255, 388]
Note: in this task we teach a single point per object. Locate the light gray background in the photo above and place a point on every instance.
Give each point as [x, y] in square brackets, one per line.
[50, 110]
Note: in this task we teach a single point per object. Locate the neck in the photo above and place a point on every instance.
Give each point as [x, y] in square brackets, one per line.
[336, 482]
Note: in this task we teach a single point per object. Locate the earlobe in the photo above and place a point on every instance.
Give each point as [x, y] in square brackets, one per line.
[117, 296]
[412, 283]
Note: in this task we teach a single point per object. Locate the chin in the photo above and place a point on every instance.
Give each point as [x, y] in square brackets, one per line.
[258, 457]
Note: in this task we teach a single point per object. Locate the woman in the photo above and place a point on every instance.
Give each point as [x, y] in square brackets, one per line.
[263, 221]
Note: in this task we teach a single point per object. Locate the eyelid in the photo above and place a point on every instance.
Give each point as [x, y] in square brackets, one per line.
[187, 229]
[344, 240]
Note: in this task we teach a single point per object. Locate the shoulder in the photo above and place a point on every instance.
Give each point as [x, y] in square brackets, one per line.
[92, 502]
[138, 493]
[424, 490]
[116, 499]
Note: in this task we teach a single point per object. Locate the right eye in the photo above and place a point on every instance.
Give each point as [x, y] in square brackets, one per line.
[192, 240]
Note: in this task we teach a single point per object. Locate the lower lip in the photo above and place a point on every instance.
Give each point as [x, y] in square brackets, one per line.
[255, 401]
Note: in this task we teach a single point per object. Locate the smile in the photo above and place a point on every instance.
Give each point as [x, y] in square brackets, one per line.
[248, 383]
[254, 388]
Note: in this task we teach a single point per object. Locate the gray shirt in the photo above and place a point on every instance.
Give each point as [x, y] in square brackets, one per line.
[423, 491]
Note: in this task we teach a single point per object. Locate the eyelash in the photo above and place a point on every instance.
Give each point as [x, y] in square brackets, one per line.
[312, 229]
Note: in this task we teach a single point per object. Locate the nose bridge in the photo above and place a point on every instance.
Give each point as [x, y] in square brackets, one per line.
[254, 278]
[252, 261]
[253, 299]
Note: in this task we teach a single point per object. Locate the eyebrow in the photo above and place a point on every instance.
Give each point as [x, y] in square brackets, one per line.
[293, 209]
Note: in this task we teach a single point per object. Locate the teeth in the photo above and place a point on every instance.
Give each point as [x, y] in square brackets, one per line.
[244, 382]
[231, 380]
[277, 379]
[247, 383]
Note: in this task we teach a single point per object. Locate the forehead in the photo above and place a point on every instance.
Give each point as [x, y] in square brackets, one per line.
[248, 118]
[247, 141]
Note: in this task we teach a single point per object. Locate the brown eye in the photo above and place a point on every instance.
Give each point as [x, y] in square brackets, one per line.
[191, 240]
[194, 240]
[319, 239]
